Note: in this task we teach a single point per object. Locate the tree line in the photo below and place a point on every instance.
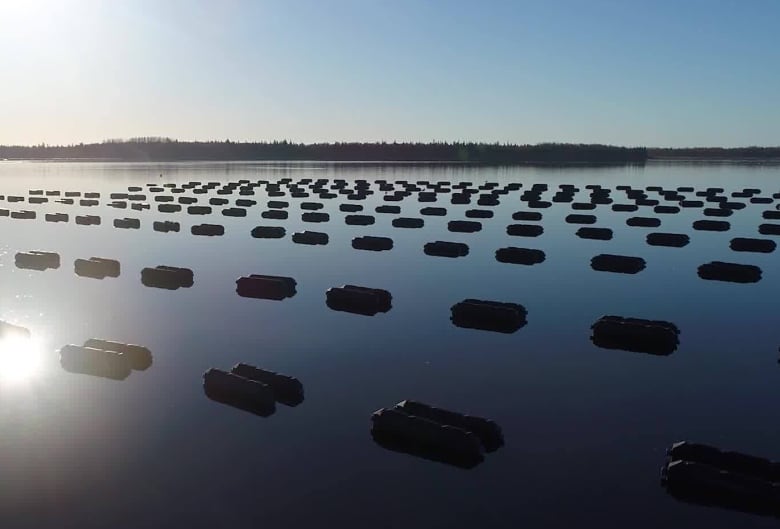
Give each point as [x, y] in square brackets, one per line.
[716, 153]
[163, 149]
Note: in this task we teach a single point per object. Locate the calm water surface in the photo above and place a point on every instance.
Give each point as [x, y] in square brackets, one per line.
[586, 428]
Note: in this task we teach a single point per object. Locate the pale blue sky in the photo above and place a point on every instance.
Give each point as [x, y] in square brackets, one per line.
[687, 72]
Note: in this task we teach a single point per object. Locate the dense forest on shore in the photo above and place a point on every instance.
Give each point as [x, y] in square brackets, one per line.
[715, 153]
[162, 149]
[155, 149]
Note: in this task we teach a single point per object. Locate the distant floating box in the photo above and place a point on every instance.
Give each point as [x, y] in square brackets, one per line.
[377, 244]
[488, 315]
[524, 256]
[240, 392]
[358, 300]
[95, 362]
[743, 244]
[673, 240]
[286, 389]
[621, 264]
[446, 249]
[730, 272]
[310, 238]
[208, 230]
[96, 267]
[635, 334]
[167, 277]
[266, 287]
[600, 234]
[37, 260]
[434, 433]
[138, 357]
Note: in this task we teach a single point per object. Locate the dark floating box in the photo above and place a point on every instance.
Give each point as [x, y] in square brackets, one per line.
[446, 249]
[268, 232]
[286, 389]
[359, 220]
[166, 226]
[88, 220]
[705, 475]
[239, 392]
[199, 210]
[266, 287]
[95, 362]
[527, 216]
[350, 208]
[621, 264]
[643, 222]
[625, 207]
[524, 256]
[56, 217]
[464, 226]
[743, 244]
[524, 230]
[277, 214]
[488, 315]
[376, 244]
[435, 212]
[310, 238]
[96, 267]
[358, 300]
[408, 222]
[771, 214]
[37, 260]
[234, 212]
[581, 219]
[138, 357]
[730, 272]
[711, 225]
[436, 434]
[673, 240]
[315, 216]
[636, 335]
[127, 223]
[769, 229]
[169, 208]
[208, 230]
[167, 277]
[717, 212]
[599, 234]
[583, 206]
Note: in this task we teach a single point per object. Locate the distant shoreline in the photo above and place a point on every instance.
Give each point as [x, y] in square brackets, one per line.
[161, 150]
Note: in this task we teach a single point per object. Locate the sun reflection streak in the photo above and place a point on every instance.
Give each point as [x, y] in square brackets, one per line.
[20, 358]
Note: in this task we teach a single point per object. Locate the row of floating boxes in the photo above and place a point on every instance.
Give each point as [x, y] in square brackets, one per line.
[609, 332]
[693, 472]
[456, 226]
[724, 208]
[533, 198]
[355, 215]
[172, 278]
[410, 427]
[426, 191]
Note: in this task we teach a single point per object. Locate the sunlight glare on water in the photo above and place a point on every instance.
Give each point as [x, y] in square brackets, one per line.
[20, 359]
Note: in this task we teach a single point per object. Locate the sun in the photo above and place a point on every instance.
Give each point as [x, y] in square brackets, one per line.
[20, 359]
